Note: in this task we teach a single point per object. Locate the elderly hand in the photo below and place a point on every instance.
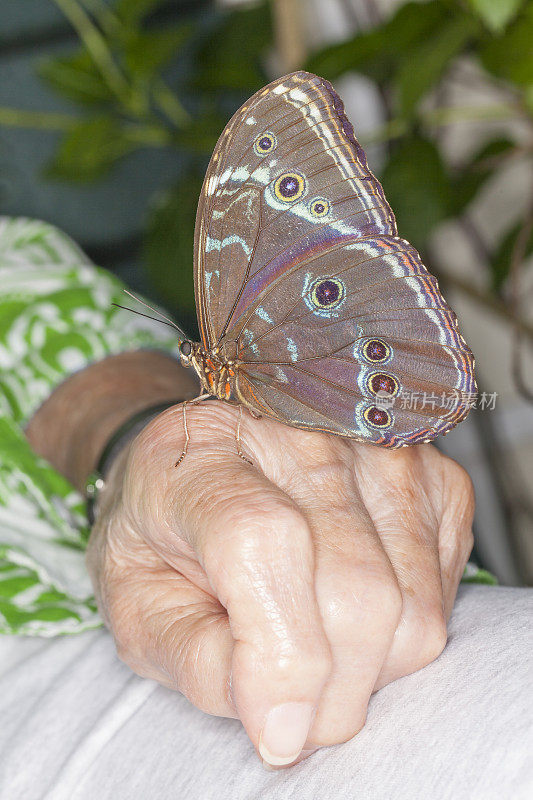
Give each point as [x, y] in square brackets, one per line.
[282, 592]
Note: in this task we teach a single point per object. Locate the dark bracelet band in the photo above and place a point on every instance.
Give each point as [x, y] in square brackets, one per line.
[124, 434]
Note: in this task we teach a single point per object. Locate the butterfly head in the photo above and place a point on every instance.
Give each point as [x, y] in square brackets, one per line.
[186, 351]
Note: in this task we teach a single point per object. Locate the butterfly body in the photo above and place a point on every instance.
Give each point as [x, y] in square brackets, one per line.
[310, 306]
[216, 372]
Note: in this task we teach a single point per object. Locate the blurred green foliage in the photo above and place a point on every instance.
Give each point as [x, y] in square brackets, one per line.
[139, 83]
[408, 57]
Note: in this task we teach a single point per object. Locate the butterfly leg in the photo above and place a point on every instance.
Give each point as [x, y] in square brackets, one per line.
[238, 439]
[185, 427]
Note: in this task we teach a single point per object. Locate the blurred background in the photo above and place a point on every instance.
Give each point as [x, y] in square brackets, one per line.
[109, 110]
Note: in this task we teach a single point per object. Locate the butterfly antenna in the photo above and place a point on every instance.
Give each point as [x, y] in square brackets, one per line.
[140, 314]
[159, 318]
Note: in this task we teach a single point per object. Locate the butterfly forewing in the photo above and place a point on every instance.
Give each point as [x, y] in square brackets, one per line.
[300, 275]
[291, 122]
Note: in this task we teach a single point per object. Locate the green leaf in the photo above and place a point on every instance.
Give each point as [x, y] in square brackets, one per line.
[510, 56]
[147, 52]
[379, 52]
[89, 150]
[201, 135]
[473, 175]
[528, 99]
[480, 576]
[169, 245]
[426, 62]
[500, 263]
[231, 56]
[496, 14]
[133, 11]
[418, 188]
[77, 78]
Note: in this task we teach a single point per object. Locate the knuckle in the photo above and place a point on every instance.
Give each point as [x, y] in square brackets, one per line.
[333, 469]
[346, 599]
[255, 518]
[461, 487]
[306, 669]
[426, 637]
[383, 593]
[250, 535]
[303, 664]
[456, 532]
[340, 611]
[434, 637]
[340, 603]
[467, 541]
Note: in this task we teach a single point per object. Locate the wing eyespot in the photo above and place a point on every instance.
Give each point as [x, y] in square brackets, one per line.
[376, 351]
[319, 207]
[327, 293]
[289, 187]
[381, 384]
[265, 144]
[377, 417]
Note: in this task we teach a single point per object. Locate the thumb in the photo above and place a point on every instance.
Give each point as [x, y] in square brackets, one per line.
[256, 552]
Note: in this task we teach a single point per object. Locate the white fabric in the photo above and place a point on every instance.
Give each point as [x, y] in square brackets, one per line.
[76, 724]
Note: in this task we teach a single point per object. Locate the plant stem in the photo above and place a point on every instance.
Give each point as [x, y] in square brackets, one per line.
[96, 45]
[146, 135]
[149, 135]
[106, 18]
[290, 42]
[170, 104]
[40, 120]
[438, 117]
[453, 114]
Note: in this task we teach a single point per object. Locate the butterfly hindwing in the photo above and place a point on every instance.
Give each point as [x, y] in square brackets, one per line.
[310, 334]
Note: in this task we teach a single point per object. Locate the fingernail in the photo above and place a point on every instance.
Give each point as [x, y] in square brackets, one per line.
[285, 732]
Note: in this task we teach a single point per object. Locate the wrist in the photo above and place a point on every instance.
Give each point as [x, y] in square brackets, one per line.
[73, 426]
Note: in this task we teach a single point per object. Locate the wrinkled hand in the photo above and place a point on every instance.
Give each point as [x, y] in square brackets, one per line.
[284, 592]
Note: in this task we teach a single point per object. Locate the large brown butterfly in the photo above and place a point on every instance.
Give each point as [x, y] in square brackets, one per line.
[311, 309]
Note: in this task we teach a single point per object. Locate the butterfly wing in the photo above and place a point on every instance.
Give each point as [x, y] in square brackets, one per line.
[300, 275]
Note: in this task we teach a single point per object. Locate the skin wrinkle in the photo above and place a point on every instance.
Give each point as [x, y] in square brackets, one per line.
[308, 549]
[275, 594]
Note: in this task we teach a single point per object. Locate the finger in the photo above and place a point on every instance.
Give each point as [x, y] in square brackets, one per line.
[455, 534]
[357, 592]
[256, 550]
[164, 627]
[408, 525]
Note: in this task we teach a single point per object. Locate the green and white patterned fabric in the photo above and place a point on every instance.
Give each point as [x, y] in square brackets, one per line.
[56, 318]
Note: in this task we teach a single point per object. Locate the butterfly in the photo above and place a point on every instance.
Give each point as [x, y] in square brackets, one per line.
[311, 309]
